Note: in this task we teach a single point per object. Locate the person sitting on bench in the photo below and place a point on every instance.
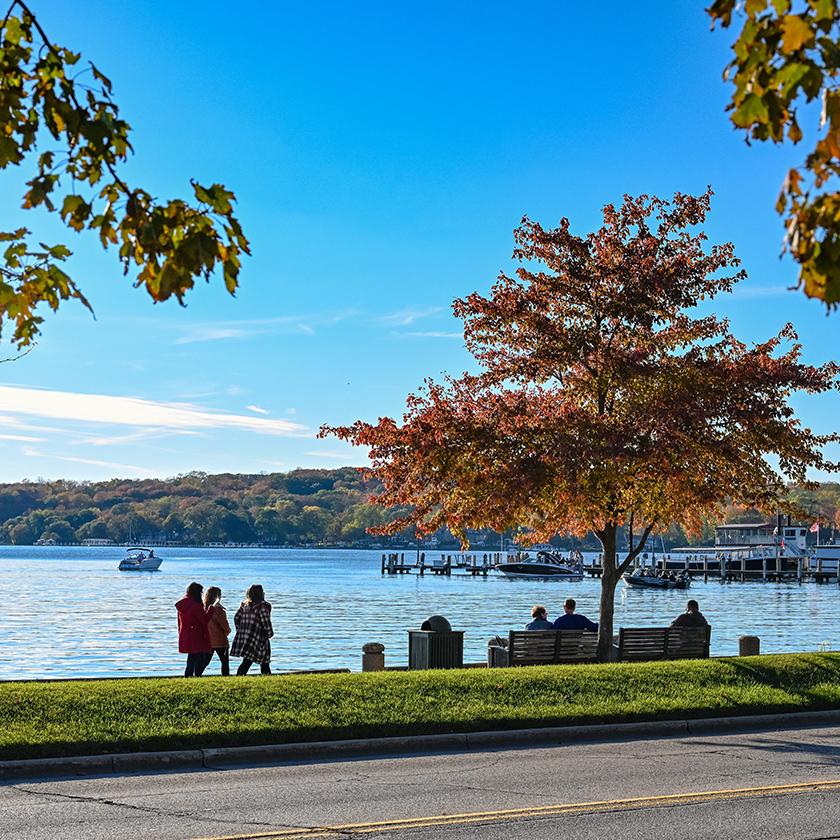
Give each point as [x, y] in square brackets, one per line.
[540, 619]
[692, 617]
[570, 620]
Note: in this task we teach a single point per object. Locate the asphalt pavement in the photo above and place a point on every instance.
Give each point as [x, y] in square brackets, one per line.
[623, 783]
[184, 760]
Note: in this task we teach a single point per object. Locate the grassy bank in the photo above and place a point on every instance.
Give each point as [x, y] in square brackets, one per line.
[40, 720]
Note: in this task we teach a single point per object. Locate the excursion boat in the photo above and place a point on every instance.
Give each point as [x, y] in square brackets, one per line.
[546, 564]
[645, 577]
[140, 560]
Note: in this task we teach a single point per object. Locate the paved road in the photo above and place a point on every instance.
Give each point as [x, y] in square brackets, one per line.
[759, 786]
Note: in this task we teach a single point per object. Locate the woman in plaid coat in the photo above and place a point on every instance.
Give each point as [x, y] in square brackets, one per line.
[253, 630]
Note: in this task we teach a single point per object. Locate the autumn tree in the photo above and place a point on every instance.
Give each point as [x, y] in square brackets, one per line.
[46, 100]
[602, 401]
[785, 57]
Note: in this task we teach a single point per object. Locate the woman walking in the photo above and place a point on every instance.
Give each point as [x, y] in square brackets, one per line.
[253, 630]
[193, 638]
[219, 628]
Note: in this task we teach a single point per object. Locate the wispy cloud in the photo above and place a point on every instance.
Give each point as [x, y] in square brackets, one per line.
[23, 438]
[125, 467]
[347, 456]
[430, 335]
[15, 423]
[409, 315]
[256, 408]
[122, 440]
[217, 330]
[210, 333]
[130, 411]
[748, 292]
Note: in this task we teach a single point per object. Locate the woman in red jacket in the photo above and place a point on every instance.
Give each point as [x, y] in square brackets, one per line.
[193, 636]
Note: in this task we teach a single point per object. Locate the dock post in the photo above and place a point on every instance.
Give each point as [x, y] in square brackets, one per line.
[764, 569]
[749, 646]
[373, 656]
[383, 564]
[799, 570]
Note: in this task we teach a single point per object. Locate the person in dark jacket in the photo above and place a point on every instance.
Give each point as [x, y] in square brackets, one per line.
[692, 617]
[253, 631]
[193, 637]
[540, 619]
[571, 620]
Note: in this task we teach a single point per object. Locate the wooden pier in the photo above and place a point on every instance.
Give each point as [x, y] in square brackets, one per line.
[467, 564]
[728, 571]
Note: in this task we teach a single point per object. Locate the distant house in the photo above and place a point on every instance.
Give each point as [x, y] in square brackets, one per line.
[98, 542]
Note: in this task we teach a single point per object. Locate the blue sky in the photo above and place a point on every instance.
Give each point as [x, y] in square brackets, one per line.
[381, 155]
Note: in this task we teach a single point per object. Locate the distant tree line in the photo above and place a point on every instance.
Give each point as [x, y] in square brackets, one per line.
[297, 508]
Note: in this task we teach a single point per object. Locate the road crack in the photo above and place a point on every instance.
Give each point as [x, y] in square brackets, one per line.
[161, 812]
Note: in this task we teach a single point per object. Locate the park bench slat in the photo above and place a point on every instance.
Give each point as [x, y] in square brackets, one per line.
[545, 647]
[645, 644]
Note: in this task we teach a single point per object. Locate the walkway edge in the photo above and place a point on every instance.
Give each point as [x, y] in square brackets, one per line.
[179, 760]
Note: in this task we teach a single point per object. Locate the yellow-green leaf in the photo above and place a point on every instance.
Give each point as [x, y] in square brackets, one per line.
[796, 33]
[753, 110]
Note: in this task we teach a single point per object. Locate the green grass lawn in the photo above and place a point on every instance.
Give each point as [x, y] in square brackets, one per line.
[41, 720]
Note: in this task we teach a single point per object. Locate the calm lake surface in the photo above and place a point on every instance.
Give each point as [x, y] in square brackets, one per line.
[68, 612]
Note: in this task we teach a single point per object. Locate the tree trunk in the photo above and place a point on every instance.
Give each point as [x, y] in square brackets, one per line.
[610, 576]
[609, 580]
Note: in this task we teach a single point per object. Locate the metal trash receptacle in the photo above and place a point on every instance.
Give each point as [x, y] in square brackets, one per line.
[435, 646]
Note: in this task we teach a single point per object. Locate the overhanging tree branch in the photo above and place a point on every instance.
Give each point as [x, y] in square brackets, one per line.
[172, 243]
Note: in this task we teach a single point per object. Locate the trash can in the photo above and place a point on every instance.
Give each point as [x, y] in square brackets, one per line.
[435, 645]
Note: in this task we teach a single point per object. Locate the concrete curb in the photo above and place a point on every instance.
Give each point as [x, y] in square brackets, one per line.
[180, 760]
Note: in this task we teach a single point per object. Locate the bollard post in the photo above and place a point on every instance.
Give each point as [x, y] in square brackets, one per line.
[749, 646]
[373, 656]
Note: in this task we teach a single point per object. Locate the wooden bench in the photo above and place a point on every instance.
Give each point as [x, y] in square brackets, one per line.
[646, 644]
[544, 647]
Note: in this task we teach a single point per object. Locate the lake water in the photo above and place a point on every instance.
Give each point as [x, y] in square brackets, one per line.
[68, 612]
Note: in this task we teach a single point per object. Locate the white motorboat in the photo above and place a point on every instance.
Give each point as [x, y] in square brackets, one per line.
[545, 564]
[140, 560]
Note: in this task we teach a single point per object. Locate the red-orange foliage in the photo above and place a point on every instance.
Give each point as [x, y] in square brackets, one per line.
[601, 398]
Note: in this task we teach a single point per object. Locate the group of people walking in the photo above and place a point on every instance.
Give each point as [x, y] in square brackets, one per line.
[203, 630]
